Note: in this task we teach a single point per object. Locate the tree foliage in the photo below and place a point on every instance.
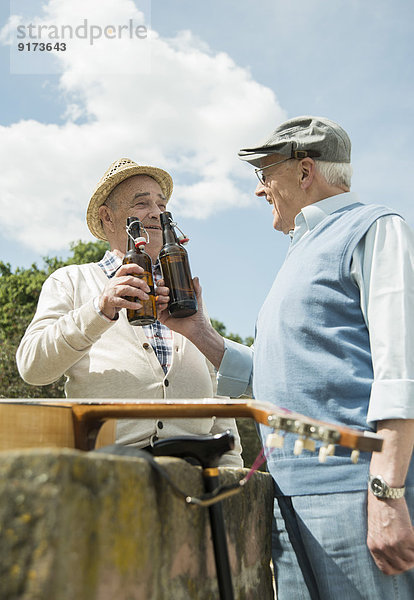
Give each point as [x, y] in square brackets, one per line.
[221, 328]
[19, 293]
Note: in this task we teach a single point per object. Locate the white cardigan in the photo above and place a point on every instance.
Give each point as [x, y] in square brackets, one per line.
[104, 359]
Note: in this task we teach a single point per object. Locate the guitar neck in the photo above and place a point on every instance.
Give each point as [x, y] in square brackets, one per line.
[89, 415]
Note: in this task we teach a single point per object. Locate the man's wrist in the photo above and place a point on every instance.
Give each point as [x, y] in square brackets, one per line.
[101, 314]
[209, 342]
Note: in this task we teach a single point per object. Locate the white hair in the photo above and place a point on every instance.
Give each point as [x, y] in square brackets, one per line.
[335, 173]
[111, 200]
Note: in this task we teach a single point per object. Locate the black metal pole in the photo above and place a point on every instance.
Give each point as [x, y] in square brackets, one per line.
[218, 534]
[207, 450]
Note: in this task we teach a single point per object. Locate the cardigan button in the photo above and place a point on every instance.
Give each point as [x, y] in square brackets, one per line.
[146, 345]
[166, 382]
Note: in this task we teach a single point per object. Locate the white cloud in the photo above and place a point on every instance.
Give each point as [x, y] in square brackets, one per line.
[189, 114]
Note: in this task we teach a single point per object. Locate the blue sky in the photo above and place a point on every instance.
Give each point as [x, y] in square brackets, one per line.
[221, 75]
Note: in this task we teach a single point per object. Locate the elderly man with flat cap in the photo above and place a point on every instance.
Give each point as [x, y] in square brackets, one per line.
[334, 341]
[81, 330]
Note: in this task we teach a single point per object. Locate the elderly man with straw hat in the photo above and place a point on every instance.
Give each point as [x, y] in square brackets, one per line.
[81, 330]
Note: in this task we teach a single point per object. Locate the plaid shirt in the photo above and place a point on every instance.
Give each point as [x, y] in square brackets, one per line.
[158, 335]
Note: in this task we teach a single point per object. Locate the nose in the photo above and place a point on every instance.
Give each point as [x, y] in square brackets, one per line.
[154, 210]
[259, 191]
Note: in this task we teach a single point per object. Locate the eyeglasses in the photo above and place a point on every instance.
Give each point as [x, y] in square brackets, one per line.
[261, 177]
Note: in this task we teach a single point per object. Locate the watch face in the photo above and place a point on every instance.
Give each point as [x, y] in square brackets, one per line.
[377, 486]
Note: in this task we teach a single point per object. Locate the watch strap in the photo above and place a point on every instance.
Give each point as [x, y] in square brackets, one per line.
[380, 488]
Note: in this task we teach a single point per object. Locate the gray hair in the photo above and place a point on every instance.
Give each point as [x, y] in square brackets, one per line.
[111, 200]
[335, 173]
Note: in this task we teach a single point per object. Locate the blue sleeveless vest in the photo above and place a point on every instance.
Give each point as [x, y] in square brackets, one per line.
[312, 352]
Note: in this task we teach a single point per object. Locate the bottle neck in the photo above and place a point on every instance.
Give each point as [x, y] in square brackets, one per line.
[134, 232]
[168, 234]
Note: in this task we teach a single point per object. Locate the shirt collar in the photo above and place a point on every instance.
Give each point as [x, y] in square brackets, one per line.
[110, 263]
[310, 216]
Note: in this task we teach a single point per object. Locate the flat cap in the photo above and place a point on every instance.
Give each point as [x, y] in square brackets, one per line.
[316, 137]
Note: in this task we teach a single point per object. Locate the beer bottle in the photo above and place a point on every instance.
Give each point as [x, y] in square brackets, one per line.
[136, 254]
[176, 271]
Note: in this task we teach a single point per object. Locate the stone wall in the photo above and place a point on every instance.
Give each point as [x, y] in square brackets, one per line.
[78, 526]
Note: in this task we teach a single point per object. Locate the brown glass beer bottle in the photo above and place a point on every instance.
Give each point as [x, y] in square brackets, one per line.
[136, 254]
[176, 271]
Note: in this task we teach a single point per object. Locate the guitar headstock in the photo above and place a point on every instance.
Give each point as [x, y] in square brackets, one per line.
[309, 431]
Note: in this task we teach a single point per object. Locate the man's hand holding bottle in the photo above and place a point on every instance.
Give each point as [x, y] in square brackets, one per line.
[197, 328]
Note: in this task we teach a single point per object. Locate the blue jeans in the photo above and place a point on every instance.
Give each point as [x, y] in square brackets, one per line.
[330, 539]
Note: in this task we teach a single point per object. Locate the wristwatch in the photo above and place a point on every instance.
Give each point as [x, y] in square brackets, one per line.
[381, 489]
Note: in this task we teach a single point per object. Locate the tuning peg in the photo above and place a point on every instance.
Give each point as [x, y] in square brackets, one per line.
[303, 443]
[299, 445]
[323, 453]
[275, 440]
[330, 451]
[354, 456]
[326, 450]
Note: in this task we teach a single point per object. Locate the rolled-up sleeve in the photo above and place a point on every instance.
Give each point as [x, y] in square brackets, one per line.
[391, 399]
[386, 262]
[234, 377]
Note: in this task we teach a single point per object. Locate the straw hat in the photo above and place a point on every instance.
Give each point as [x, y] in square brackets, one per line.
[120, 170]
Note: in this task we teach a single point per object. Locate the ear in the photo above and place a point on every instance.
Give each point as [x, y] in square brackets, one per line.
[307, 173]
[106, 216]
